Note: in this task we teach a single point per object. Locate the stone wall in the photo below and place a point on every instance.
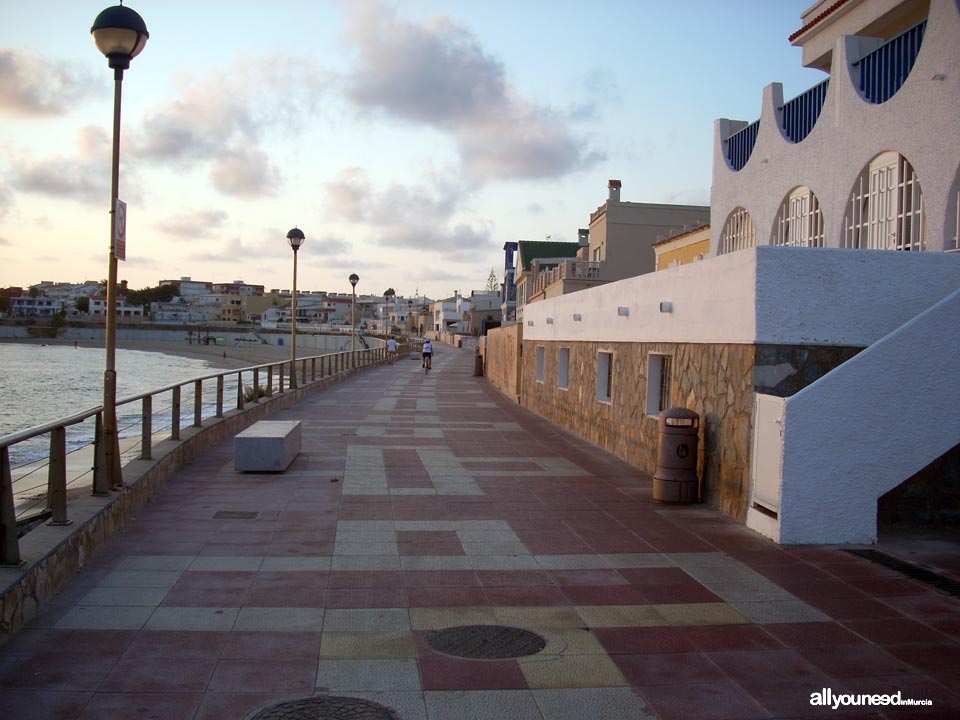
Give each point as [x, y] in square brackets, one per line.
[501, 352]
[718, 381]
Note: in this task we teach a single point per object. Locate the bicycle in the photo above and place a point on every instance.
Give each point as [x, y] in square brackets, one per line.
[427, 363]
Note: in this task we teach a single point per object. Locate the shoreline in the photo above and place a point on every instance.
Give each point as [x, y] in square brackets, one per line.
[220, 356]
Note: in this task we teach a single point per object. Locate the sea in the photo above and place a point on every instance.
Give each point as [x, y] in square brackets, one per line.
[43, 383]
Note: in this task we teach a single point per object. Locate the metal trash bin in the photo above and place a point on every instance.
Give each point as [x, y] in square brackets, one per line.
[675, 480]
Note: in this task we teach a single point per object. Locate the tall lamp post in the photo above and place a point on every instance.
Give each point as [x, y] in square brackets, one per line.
[120, 34]
[354, 279]
[295, 237]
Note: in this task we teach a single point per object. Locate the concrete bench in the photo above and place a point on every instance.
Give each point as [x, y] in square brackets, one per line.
[267, 446]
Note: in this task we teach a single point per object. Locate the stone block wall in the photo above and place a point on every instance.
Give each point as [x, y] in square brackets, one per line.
[501, 359]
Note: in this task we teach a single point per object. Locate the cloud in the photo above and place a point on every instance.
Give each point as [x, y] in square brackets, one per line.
[222, 119]
[85, 178]
[193, 224]
[535, 208]
[245, 173]
[6, 200]
[414, 217]
[5, 243]
[35, 87]
[689, 196]
[436, 73]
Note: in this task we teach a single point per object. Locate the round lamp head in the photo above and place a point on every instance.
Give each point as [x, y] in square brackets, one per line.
[120, 34]
[296, 237]
[354, 279]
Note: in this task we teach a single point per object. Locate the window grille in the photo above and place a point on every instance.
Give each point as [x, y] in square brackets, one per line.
[799, 222]
[563, 370]
[604, 376]
[659, 381]
[738, 232]
[885, 211]
[540, 363]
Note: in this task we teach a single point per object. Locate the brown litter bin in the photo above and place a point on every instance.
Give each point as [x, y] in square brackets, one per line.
[675, 480]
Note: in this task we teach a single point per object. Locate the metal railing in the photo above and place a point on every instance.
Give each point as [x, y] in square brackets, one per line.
[24, 502]
[567, 270]
[883, 71]
[798, 116]
[740, 145]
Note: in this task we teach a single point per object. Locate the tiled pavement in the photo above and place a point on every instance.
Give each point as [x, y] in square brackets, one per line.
[426, 502]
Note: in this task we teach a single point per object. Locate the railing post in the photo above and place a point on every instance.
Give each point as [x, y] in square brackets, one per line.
[280, 372]
[101, 483]
[198, 403]
[256, 385]
[270, 381]
[220, 396]
[146, 428]
[9, 545]
[57, 477]
[175, 415]
[313, 369]
[240, 390]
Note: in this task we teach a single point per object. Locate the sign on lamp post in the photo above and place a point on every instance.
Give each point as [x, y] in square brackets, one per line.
[120, 229]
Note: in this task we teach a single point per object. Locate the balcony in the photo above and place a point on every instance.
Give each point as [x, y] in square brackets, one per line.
[566, 270]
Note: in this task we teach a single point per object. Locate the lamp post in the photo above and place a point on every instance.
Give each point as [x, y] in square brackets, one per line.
[120, 34]
[354, 279]
[295, 237]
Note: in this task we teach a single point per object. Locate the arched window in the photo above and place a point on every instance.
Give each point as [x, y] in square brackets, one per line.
[738, 232]
[885, 211]
[799, 220]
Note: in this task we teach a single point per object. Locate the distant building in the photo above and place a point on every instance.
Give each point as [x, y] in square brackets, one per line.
[686, 247]
[508, 288]
[187, 287]
[237, 287]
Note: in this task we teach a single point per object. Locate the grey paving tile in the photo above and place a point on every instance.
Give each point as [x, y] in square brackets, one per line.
[162, 563]
[495, 548]
[192, 618]
[366, 536]
[487, 536]
[406, 705]
[280, 619]
[704, 559]
[369, 675]
[436, 562]
[773, 611]
[503, 562]
[483, 705]
[365, 548]
[125, 596]
[734, 591]
[102, 617]
[141, 579]
[317, 563]
[366, 562]
[227, 564]
[424, 525]
[366, 620]
[638, 560]
[571, 562]
[611, 703]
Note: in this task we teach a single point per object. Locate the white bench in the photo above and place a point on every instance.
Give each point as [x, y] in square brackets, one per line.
[267, 446]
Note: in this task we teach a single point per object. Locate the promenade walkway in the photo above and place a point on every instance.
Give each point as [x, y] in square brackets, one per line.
[421, 503]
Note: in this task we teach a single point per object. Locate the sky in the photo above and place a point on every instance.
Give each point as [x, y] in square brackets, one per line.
[408, 141]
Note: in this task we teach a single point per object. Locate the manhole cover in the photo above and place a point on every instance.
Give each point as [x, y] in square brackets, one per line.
[485, 642]
[324, 707]
[235, 515]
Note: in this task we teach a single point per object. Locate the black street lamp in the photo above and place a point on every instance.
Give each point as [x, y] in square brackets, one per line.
[295, 237]
[354, 279]
[120, 34]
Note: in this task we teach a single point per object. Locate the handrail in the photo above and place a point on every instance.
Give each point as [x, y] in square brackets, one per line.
[330, 364]
[799, 116]
[884, 70]
[740, 145]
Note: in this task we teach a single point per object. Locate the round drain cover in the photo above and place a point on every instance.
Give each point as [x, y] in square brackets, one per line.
[324, 707]
[485, 642]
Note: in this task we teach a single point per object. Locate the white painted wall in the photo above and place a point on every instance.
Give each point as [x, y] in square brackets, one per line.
[767, 294]
[868, 425]
[920, 122]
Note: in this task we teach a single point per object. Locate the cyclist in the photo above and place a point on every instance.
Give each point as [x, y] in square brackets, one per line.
[427, 353]
[391, 350]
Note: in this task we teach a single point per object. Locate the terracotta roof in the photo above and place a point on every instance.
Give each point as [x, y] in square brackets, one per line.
[691, 231]
[818, 19]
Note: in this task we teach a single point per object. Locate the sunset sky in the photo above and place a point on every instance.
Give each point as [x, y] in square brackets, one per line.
[408, 141]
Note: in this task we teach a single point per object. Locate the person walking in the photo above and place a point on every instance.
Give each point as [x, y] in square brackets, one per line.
[391, 350]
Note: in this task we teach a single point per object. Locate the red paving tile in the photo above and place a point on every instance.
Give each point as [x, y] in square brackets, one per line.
[294, 676]
[272, 645]
[446, 596]
[651, 669]
[603, 595]
[49, 705]
[126, 705]
[638, 640]
[158, 675]
[366, 579]
[530, 596]
[513, 578]
[729, 637]
[367, 598]
[719, 700]
[177, 645]
[813, 634]
[438, 672]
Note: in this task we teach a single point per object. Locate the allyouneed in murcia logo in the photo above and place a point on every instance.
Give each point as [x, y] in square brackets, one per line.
[828, 698]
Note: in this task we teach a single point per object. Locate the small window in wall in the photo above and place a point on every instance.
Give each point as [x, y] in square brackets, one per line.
[604, 376]
[563, 371]
[659, 379]
[539, 363]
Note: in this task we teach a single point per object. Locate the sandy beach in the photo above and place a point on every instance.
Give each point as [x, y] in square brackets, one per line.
[218, 355]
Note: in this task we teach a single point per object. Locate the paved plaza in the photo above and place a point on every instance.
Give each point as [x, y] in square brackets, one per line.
[426, 502]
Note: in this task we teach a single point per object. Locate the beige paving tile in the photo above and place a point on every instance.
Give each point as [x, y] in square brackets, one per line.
[529, 617]
[439, 618]
[367, 645]
[571, 671]
[621, 616]
[569, 641]
[700, 614]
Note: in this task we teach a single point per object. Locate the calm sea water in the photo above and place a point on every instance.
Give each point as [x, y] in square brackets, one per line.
[39, 384]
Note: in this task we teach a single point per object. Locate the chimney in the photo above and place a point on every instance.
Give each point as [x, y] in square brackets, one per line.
[583, 237]
[614, 187]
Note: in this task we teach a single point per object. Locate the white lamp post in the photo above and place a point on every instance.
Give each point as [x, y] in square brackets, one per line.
[354, 279]
[295, 237]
